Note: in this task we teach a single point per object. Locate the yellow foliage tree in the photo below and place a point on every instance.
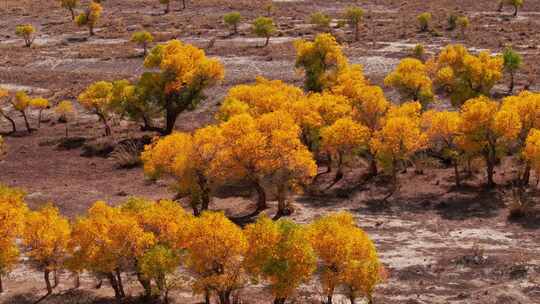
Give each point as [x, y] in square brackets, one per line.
[185, 72]
[412, 81]
[527, 106]
[216, 248]
[13, 211]
[108, 241]
[46, 237]
[20, 103]
[66, 112]
[40, 104]
[279, 252]
[98, 99]
[188, 158]
[465, 75]
[487, 130]
[342, 140]
[321, 60]
[400, 136]
[4, 99]
[90, 16]
[442, 130]
[262, 149]
[531, 151]
[346, 255]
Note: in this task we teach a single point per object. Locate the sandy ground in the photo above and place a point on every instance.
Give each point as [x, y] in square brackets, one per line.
[441, 245]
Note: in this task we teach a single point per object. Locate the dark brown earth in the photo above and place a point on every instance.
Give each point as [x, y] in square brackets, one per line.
[440, 244]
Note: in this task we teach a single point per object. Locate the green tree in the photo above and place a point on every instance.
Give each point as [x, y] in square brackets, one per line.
[233, 19]
[354, 16]
[512, 63]
[264, 27]
[142, 38]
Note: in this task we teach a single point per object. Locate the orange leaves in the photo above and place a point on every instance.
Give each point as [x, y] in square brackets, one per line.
[346, 254]
[280, 253]
[411, 79]
[46, 237]
[12, 216]
[531, 151]
[321, 61]
[188, 65]
[344, 137]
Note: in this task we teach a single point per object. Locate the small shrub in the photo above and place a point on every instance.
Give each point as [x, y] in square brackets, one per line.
[512, 63]
[418, 52]
[26, 31]
[463, 24]
[142, 38]
[424, 20]
[232, 20]
[65, 111]
[320, 20]
[127, 155]
[264, 27]
[90, 17]
[452, 22]
[354, 16]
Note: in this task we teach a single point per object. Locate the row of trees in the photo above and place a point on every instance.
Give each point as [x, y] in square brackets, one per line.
[20, 102]
[165, 248]
[271, 135]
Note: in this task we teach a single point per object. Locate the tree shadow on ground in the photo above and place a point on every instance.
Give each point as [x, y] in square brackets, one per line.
[72, 296]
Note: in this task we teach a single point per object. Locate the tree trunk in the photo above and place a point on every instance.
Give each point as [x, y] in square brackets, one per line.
[1, 285]
[235, 28]
[114, 285]
[267, 41]
[356, 32]
[72, 13]
[13, 125]
[28, 128]
[170, 121]
[329, 299]
[183, 4]
[91, 30]
[146, 285]
[339, 172]
[224, 297]
[282, 200]
[456, 173]
[515, 10]
[373, 170]
[279, 300]
[67, 132]
[526, 176]
[77, 280]
[167, 7]
[490, 170]
[39, 119]
[352, 299]
[511, 86]
[119, 282]
[261, 196]
[105, 123]
[501, 4]
[47, 281]
[329, 165]
[206, 297]
[56, 279]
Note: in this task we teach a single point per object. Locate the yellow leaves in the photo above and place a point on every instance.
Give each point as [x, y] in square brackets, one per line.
[187, 66]
[97, 97]
[346, 253]
[46, 237]
[12, 216]
[21, 101]
[39, 103]
[441, 127]
[485, 126]
[344, 137]
[369, 105]
[64, 109]
[465, 75]
[411, 79]
[321, 60]
[280, 253]
[400, 136]
[106, 238]
[262, 97]
[531, 151]
[215, 250]
[527, 106]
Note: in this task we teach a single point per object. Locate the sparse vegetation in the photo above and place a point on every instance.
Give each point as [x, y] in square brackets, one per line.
[65, 112]
[90, 16]
[354, 16]
[26, 31]
[463, 24]
[70, 5]
[142, 38]
[264, 27]
[320, 21]
[233, 19]
[512, 63]
[424, 20]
